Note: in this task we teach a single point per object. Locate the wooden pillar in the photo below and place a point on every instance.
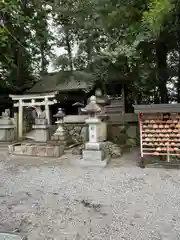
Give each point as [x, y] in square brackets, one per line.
[16, 124]
[47, 111]
[20, 120]
[123, 98]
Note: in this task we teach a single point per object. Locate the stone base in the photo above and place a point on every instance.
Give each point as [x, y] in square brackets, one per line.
[94, 146]
[94, 158]
[41, 133]
[36, 150]
[86, 163]
[7, 133]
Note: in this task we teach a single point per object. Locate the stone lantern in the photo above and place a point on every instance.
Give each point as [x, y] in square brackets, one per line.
[102, 100]
[59, 135]
[94, 153]
[59, 115]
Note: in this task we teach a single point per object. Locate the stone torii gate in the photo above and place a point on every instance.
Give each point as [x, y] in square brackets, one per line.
[32, 100]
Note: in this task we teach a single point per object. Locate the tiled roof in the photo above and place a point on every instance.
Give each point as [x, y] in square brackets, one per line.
[63, 81]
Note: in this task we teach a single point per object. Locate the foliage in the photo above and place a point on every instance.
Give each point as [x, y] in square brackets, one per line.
[157, 14]
[108, 38]
[23, 42]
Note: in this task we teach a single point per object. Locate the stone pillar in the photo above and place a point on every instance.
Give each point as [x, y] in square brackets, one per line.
[47, 111]
[94, 154]
[20, 120]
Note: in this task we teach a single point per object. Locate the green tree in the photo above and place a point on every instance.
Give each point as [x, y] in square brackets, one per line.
[24, 42]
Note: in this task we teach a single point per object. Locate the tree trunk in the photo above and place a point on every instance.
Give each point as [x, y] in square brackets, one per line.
[162, 71]
[178, 83]
[43, 41]
[89, 49]
[139, 98]
[128, 97]
[178, 45]
[69, 49]
[156, 97]
[43, 60]
[21, 49]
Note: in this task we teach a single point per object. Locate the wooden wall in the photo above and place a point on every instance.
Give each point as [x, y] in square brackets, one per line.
[117, 106]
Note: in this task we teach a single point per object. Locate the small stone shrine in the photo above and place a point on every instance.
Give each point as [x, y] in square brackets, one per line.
[7, 127]
[94, 153]
[41, 127]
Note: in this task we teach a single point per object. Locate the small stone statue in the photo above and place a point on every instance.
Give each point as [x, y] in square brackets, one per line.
[38, 113]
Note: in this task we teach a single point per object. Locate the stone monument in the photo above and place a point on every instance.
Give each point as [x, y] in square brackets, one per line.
[94, 153]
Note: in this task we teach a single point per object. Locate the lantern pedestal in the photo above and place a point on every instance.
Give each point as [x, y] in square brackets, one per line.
[94, 154]
[94, 158]
[59, 135]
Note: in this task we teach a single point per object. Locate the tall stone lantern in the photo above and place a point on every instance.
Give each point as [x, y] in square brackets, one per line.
[59, 135]
[94, 153]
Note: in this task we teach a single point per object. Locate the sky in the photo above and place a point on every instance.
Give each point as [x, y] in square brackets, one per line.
[57, 51]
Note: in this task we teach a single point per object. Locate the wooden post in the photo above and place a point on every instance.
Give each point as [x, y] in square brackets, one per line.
[140, 130]
[16, 116]
[20, 122]
[47, 111]
[123, 98]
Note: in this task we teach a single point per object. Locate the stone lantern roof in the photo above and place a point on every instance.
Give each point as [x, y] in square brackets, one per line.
[60, 114]
[92, 106]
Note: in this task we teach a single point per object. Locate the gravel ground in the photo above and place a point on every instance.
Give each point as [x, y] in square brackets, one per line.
[60, 201]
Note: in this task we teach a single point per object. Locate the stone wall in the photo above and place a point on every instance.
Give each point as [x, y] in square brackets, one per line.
[126, 134]
[121, 129]
[76, 133]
